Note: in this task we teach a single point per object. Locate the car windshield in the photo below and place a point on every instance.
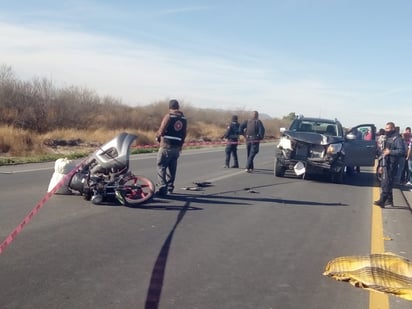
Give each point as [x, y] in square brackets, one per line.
[315, 126]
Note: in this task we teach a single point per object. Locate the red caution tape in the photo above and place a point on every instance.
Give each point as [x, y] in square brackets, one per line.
[9, 239]
[212, 143]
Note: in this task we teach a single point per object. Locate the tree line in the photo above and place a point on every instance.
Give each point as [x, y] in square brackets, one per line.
[39, 106]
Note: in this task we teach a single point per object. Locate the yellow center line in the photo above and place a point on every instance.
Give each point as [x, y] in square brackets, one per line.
[377, 300]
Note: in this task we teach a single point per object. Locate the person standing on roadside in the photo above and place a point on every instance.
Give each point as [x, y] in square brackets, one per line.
[409, 160]
[400, 174]
[394, 149]
[403, 172]
[232, 137]
[171, 136]
[253, 131]
[380, 142]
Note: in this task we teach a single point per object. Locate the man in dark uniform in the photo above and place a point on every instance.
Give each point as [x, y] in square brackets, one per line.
[394, 148]
[232, 137]
[171, 135]
[254, 132]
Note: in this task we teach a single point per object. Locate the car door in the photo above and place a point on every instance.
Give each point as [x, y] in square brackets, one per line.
[360, 145]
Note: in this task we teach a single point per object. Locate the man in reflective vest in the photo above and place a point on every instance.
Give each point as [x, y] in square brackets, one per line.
[171, 135]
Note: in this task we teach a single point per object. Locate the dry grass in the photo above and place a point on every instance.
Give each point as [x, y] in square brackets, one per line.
[35, 113]
[16, 142]
[86, 136]
[21, 143]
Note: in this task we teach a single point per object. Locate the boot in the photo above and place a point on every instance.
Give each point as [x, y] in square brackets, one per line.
[389, 200]
[162, 191]
[382, 200]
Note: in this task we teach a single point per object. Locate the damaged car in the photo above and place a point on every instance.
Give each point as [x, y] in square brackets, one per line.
[313, 146]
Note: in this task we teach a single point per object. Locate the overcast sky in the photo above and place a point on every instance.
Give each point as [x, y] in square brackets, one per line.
[332, 58]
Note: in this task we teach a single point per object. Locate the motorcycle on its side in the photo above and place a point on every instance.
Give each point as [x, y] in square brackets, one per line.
[106, 176]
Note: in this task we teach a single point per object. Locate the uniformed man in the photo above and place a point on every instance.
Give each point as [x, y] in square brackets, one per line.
[232, 137]
[254, 132]
[394, 148]
[171, 135]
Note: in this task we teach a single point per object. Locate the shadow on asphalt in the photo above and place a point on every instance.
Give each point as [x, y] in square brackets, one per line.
[231, 197]
[154, 292]
[222, 198]
[362, 179]
[153, 297]
[158, 273]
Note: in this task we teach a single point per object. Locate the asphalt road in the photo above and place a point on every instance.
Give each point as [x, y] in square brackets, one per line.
[247, 241]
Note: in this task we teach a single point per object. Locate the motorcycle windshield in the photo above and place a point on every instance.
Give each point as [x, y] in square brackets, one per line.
[115, 153]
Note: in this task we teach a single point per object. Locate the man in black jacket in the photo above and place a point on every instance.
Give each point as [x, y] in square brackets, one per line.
[254, 132]
[394, 148]
[232, 137]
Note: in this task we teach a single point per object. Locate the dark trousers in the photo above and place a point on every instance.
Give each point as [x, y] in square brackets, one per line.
[166, 167]
[252, 148]
[388, 176]
[231, 150]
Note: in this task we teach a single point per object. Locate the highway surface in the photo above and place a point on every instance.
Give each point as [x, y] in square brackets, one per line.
[247, 241]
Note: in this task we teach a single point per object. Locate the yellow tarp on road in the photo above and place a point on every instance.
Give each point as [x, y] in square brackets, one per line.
[386, 272]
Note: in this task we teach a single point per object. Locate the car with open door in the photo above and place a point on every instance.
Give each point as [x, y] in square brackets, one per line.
[360, 145]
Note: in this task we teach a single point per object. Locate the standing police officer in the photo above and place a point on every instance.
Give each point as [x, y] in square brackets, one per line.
[171, 135]
[254, 131]
[232, 137]
[394, 148]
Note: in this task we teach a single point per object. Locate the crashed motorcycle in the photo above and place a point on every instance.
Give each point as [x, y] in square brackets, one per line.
[105, 175]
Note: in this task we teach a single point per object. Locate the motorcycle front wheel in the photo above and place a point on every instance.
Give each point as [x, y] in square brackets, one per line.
[135, 190]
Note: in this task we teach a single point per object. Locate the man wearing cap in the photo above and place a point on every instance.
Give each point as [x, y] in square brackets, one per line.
[171, 135]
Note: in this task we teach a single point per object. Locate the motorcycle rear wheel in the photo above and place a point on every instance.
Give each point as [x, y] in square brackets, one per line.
[135, 190]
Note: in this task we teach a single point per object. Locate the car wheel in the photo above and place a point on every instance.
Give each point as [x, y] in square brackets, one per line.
[280, 169]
